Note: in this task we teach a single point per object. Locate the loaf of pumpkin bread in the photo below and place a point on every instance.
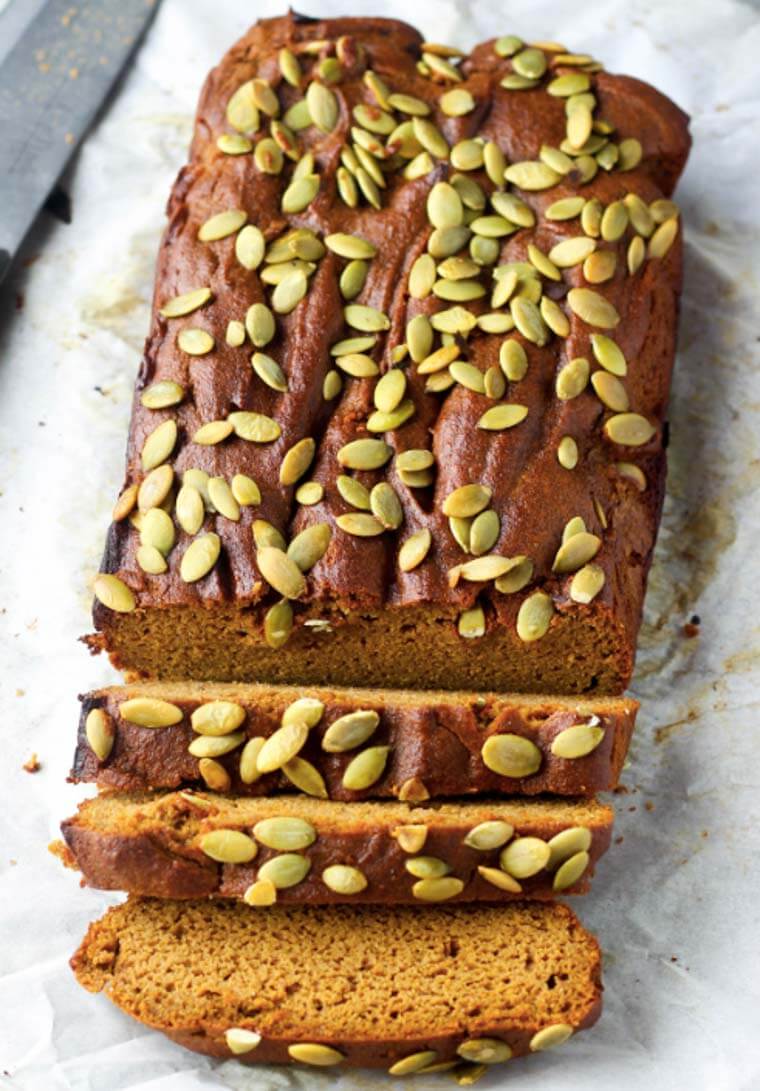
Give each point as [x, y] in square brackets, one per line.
[427, 745]
[296, 849]
[388, 988]
[401, 416]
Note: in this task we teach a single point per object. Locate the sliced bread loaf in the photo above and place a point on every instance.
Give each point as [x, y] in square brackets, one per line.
[388, 988]
[297, 849]
[184, 734]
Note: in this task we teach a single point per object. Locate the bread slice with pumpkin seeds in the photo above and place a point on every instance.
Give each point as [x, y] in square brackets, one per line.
[436, 744]
[288, 849]
[388, 988]
[401, 417]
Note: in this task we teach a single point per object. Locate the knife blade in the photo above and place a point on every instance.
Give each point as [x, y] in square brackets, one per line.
[52, 83]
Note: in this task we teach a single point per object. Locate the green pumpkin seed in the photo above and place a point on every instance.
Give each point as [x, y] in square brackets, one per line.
[350, 731]
[511, 755]
[365, 454]
[408, 104]
[528, 320]
[570, 872]
[386, 506]
[427, 867]
[221, 225]
[415, 1062]
[248, 769]
[507, 45]
[572, 379]
[554, 317]
[207, 746]
[614, 221]
[305, 777]
[414, 550]
[484, 533]
[347, 187]
[249, 247]
[281, 746]
[264, 534]
[490, 835]
[467, 155]
[360, 525]
[576, 551]
[457, 102]
[323, 106]
[245, 490]
[352, 279]
[630, 153]
[531, 175]
[422, 277]
[99, 732]
[484, 1051]
[366, 768]
[500, 417]
[155, 487]
[343, 879]
[513, 360]
[240, 1040]
[444, 206]
[162, 394]
[308, 547]
[460, 291]
[587, 583]
[217, 718]
[367, 319]
[592, 308]
[228, 846]
[278, 624]
[235, 333]
[300, 193]
[234, 144]
[500, 879]
[390, 390]
[306, 710]
[297, 460]
[566, 208]
[467, 500]
[567, 843]
[352, 344]
[283, 872]
[353, 492]
[534, 616]
[600, 267]
[281, 572]
[524, 857]
[437, 890]
[519, 575]
[567, 453]
[570, 83]
[550, 1037]
[489, 567]
[591, 218]
[159, 445]
[200, 557]
[309, 493]
[572, 251]
[576, 525]
[663, 238]
[242, 113]
[157, 530]
[558, 160]
[260, 324]
[350, 246]
[190, 509]
[530, 63]
[254, 427]
[284, 833]
[195, 342]
[577, 741]
[151, 560]
[472, 623]
[222, 498]
[610, 391]
[150, 712]
[467, 375]
[358, 365]
[629, 429]
[494, 383]
[261, 892]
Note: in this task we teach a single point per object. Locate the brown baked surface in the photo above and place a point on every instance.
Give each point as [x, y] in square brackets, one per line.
[151, 844]
[435, 741]
[380, 626]
[377, 985]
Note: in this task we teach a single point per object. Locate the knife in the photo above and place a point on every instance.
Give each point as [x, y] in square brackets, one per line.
[52, 83]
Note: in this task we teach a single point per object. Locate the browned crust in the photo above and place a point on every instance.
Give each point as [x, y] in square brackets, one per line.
[152, 847]
[96, 965]
[532, 493]
[435, 738]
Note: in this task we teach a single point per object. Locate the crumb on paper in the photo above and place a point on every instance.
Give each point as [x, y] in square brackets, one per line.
[32, 765]
[21, 693]
[649, 806]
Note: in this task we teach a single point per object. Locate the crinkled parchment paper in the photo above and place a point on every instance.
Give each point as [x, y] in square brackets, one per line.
[676, 902]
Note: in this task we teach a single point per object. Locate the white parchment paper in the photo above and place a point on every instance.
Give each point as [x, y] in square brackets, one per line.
[675, 902]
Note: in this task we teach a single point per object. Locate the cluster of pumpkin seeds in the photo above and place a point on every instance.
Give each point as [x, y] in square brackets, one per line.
[516, 756]
[483, 200]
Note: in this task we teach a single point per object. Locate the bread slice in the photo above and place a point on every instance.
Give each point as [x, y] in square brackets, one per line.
[200, 593]
[438, 742]
[297, 849]
[385, 988]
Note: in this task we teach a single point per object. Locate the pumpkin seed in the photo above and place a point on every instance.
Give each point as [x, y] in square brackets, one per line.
[614, 221]
[511, 755]
[214, 431]
[500, 879]
[608, 354]
[572, 251]
[513, 360]
[343, 879]
[534, 616]
[437, 890]
[304, 776]
[209, 746]
[528, 320]
[360, 525]
[297, 460]
[415, 1062]
[444, 206]
[162, 394]
[99, 732]
[245, 490]
[610, 391]
[572, 379]
[323, 106]
[468, 376]
[520, 574]
[550, 1037]
[390, 390]
[278, 624]
[570, 872]
[284, 833]
[629, 154]
[186, 303]
[427, 867]
[281, 572]
[200, 557]
[260, 893]
[600, 266]
[228, 846]
[567, 843]
[347, 187]
[484, 533]
[554, 317]
[264, 534]
[500, 417]
[217, 718]
[223, 499]
[190, 509]
[461, 530]
[489, 835]
[254, 427]
[494, 383]
[576, 551]
[159, 445]
[576, 525]
[285, 871]
[438, 360]
[663, 238]
[155, 487]
[308, 547]
[358, 365]
[352, 279]
[408, 104]
[233, 144]
[365, 769]
[567, 453]
[485, 1050]
[524, 857]
[125, 504]
[592, 308]
[221, 225]
[531, 175]
[306, 710]
[455, 320]
[633, 473]
[577, 741]
[195, 342]
[350, 731]
[467, 500]
[636, 254]
[629, 429]
[353, 492]
[249, 247]
[151, 560]
[157, 530]
[663, 209]
[235, 333]
[366, 319]
[566, 208]
[282, 745]
[365, 454]
[507, 45]
[386, 506]
[414, 550]
[240, 1040]
[410, 838]
[472, 623]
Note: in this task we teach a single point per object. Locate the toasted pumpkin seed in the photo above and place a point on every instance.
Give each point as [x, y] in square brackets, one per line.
[228, 846]
[159, 445]
[414, 550]
[471, 624]
[113, 593]
[634, 473]
[629, 429]
[570, 872]
[285, 833]
[572, 379]
[239, 1040]
[366, 319]
[410, 838]
[489, 835]
[343, 879]
[577, 741]
[210, 746]
[592, 308]
[610, 391]
[365, 454]
[285, 871]
[567, 453]
[278, 623]
[587, 583]
[550, 1037]
[186, 303]
[297, 460]
[308, 547]
[125, 504]
[524, 857]
[262, 892]
[437, 890]
[281, 572]
[467, 500]
[426, 867]
[511, 755]
[534, 616]
[500, 879]
[234, 144]
[366, 768]
[282, 745]
[99, 732]
[567, 843]
[254, 427]
[213, 432]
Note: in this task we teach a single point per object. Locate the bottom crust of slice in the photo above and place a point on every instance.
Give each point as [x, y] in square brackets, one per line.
[391, 988]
